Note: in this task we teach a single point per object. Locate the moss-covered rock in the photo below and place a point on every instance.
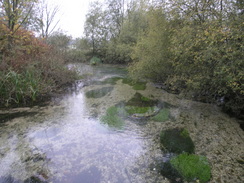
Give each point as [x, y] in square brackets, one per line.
[141, 107]
[192, 167]
[177, 141]
[140, 101]
[98, 93]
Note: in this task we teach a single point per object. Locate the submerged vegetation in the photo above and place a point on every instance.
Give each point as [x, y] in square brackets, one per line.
[162, 116]
[177, 141]
[192, 167]
[114, 117]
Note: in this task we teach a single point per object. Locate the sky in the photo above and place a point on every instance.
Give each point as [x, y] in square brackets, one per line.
[72, 15]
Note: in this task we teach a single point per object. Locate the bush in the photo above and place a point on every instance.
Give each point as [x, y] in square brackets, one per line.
[29, 69]
[95, 61]
[192, 167]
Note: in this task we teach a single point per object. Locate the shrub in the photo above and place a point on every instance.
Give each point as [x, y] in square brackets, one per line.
[95, 61]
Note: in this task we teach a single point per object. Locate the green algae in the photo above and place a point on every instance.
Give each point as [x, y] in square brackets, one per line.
[113, 117]
[139, 85]
[111, 81]
[192, 167]
[141, 101]
[162, 116]
[141, 106]
[177, 141]
[98, 93]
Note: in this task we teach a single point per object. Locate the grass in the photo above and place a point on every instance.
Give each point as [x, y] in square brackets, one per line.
[192, 167]
[19, 87]
[162, 116]
[113, 117]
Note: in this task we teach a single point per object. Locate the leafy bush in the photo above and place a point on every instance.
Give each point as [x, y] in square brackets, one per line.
[29, 69]
[95, 61]
[192, 167]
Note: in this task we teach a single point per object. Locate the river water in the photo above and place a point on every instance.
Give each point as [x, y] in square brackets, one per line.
[65, 141]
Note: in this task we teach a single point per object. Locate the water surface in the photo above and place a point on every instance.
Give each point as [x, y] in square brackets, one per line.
[66, 141]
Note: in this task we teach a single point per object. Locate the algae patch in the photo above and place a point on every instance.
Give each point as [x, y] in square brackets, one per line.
[162, 116]
[141, 107]
[192, 167]
[135, 85]
[98, 93]
[113, 117]
[177, 141]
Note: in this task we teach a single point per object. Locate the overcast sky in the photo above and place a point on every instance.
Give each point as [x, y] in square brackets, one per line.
[72, 15]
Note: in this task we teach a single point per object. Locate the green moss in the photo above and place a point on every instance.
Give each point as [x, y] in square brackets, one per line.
[113, 117]
[162, 116]
[135, 85]
[98, 93]
[184, 133]
[141, 101]
[175, 142]
[111, 81]
[136, 109]
[127, 81]
[139, 86]
[192, 167]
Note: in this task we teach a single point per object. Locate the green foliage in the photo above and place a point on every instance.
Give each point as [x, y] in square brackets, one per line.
[151, 54]
[162, 116]
[95, 61]
[29, 69]
[192, 167]
[19, 88]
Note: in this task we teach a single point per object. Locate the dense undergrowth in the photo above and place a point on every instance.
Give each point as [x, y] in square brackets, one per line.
[29, 69]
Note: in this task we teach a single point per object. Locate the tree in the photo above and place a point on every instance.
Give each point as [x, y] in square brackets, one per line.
[95, 28]
[151, 54]
[16, 12]
[46, 18]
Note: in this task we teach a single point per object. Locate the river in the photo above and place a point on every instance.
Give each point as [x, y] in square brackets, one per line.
[66, 140]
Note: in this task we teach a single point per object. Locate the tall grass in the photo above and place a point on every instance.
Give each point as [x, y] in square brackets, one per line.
[19, 87]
